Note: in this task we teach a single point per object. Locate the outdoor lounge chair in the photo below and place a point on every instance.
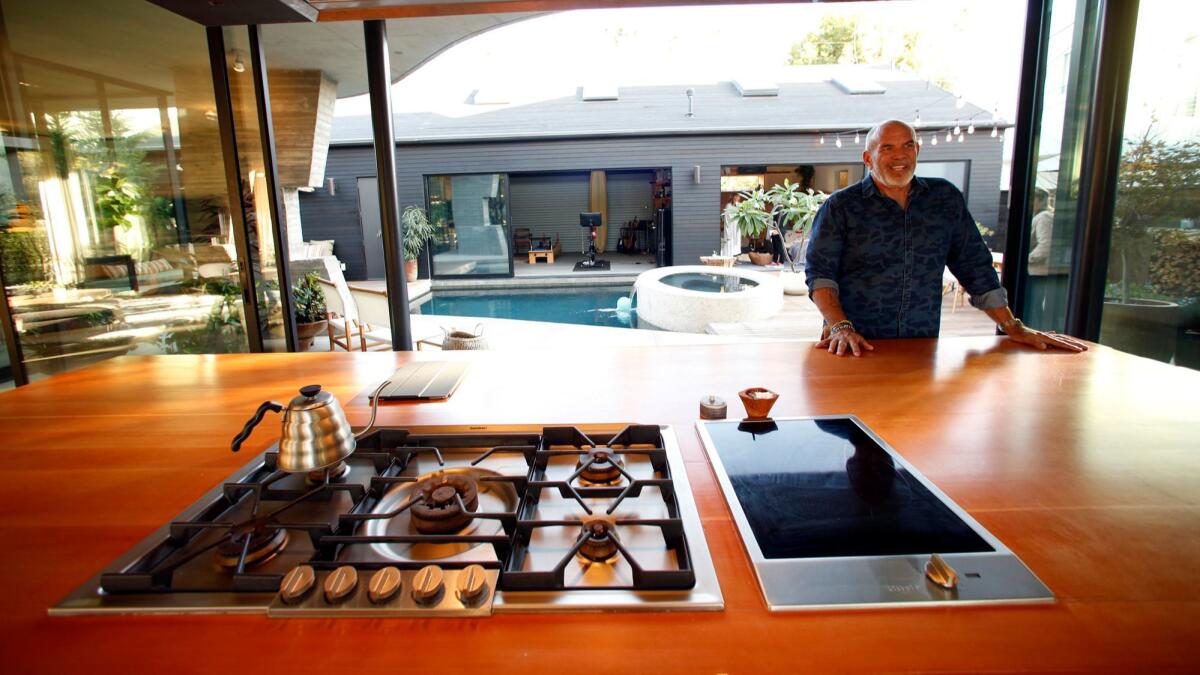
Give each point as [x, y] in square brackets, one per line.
[346, 330]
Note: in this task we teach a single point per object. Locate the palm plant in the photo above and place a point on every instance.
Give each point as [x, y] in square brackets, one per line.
[417, 231]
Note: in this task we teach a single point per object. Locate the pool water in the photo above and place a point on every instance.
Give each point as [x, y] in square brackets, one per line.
[586, 307]
[708, 283]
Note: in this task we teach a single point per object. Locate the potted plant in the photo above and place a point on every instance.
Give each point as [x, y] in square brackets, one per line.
[1155, 187]
[417, 232]
[795, 208]
[751, 215]
[309, 308]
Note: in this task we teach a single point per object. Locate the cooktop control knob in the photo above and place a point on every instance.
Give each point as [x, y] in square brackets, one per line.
[472, 583]
[384, 584]
[297, 583]
[340, 583]
[427, 584]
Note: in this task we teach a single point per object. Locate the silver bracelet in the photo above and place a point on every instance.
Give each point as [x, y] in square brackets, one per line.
[840, 327]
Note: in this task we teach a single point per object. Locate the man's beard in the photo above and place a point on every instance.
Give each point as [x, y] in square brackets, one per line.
[894, 181]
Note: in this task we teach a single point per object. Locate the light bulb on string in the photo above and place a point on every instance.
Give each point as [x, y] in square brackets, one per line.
[822, 139]
[957, 128]
[971, 128]
[960, 138]
[993, 132]
[933, 138]
[920, 140]
[838, 142]
[856, 138]
[947, 135]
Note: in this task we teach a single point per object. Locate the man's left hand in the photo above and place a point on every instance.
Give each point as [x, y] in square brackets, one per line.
[1039, 340]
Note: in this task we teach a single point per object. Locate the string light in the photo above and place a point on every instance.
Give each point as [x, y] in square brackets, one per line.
[823, 139]
[957, 129]
[960, 138]
[856, 138]
[934, 138]
[971, 128]
[917, 122]
[838, 142]
[993, 132]
[920, 140]
[947, 135]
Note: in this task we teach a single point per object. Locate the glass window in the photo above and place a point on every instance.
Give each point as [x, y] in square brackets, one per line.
[1151, 303]
[114, 216]
[1066, 104]
[469, 214]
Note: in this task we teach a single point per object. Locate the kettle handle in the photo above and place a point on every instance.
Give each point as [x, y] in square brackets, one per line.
[258, 415]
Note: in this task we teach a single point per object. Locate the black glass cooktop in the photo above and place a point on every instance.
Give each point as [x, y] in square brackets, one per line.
[818, 488]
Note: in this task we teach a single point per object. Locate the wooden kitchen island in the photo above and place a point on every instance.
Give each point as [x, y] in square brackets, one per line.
[1087, 466]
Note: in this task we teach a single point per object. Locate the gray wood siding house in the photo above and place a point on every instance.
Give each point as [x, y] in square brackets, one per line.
[549, 148]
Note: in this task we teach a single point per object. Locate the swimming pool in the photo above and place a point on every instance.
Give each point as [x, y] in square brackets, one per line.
[586, 307]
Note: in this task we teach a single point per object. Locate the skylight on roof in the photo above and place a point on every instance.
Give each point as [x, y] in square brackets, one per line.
[748, 88]
[858, 85]
[600, 92]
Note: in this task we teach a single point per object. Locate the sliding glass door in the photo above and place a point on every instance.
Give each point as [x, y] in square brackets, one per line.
[469, 213]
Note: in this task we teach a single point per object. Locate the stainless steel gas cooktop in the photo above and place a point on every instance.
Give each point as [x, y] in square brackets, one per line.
[832, 517]
[457, 521]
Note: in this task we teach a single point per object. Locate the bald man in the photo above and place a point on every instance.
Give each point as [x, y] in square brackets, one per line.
[874, 263]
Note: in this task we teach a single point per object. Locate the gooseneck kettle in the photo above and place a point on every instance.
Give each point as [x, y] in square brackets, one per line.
[315, 431]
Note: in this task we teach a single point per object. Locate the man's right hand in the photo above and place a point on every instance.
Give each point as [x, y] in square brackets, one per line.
[843, 342]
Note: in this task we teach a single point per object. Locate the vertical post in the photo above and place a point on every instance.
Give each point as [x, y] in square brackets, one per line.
[266, 128]
[12, 116]
[1101, 161]
[379, 85]
[233, 184]
[1025, 144]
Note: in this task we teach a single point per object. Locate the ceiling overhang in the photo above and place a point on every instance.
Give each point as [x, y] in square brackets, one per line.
[241, 12]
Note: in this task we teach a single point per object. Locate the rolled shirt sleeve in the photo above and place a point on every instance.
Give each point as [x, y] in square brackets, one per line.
[970, 262]
[823, 257]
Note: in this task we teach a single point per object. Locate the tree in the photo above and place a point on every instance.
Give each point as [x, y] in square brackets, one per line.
[841, 39]
[1158, 184]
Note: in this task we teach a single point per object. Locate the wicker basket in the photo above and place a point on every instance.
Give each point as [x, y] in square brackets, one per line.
[461, 339]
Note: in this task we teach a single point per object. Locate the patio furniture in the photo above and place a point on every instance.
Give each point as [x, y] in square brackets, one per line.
[521, 240]
[544, 250]
[346, 329]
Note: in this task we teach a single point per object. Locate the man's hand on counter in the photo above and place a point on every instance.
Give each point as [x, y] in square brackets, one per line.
[846, 341]
[1039, 340]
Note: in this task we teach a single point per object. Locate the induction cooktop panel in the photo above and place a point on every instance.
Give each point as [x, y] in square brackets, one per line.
[822, 488]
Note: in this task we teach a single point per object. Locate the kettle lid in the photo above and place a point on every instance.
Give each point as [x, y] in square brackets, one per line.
[311, 398]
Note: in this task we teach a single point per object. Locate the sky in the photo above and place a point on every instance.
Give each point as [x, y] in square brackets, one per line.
[976, 44]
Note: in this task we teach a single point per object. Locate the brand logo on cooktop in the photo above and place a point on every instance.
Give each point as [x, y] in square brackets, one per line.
[899, 588]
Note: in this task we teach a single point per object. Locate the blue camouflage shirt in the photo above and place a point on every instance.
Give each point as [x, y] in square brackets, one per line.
[886, 262]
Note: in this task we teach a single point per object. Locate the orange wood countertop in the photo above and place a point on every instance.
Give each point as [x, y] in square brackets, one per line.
[1087, 466]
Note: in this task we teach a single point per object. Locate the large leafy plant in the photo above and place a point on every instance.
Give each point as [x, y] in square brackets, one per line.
[751, 215]
[309, 299]
[417, 231]
[796, 207]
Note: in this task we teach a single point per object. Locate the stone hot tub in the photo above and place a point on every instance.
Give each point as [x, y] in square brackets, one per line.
[685, 299]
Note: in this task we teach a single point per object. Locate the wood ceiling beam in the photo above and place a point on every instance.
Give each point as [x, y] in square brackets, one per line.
[362, 10]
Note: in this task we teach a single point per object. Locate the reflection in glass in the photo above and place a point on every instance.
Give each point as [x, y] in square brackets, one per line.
[1056, 175]
[469, 214]
[114, 228]
[1151, 306]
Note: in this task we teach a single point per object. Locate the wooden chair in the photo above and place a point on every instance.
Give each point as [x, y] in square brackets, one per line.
[345, 328]
[522, 240]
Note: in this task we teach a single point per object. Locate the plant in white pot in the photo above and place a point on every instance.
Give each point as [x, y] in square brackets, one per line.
[417, 233]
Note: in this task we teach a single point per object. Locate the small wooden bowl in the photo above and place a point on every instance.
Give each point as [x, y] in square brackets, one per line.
[758, 402]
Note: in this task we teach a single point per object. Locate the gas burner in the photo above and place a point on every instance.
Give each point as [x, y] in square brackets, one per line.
[438, 510]
[600, 466]
[337, 474]
[600, 540]
[264, 545]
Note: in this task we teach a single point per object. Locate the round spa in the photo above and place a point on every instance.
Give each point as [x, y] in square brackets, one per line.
[687, 298]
